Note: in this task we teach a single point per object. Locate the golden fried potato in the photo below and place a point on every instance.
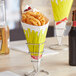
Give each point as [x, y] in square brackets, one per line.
[30, 13]
[46, 19]
[23, 17]
[34, 18]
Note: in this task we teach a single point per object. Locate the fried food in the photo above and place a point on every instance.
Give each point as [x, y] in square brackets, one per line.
[34, 18]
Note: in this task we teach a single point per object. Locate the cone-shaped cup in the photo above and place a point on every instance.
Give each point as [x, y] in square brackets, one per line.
[35, 36]
[61, 9]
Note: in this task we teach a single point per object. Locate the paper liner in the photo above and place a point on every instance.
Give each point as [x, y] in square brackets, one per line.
[35, 35]
[61, 9]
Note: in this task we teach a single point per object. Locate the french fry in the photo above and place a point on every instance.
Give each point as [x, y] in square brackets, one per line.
[34, 18]
[46, 19]
[30, 13]
[33, 22]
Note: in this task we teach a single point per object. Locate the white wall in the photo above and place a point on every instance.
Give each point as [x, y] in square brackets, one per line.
[12, 12]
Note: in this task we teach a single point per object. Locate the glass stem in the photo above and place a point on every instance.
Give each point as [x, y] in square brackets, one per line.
[36, 65]
[59, 39]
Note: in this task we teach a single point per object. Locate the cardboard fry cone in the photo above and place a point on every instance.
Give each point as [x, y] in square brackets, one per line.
[61, 9]
[35, 35]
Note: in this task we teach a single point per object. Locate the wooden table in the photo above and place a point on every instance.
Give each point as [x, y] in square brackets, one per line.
[56, 65]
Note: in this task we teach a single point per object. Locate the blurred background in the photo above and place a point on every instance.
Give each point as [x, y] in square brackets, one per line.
[14, 8]
[13, 14]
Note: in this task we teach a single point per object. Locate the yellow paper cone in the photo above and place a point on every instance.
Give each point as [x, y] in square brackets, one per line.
[61, 9]
[35, 36]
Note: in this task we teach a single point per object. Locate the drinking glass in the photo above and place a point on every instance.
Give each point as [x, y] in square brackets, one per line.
[59, 34]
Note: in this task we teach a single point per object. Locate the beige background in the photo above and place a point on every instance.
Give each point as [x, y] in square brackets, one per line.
[45, 7]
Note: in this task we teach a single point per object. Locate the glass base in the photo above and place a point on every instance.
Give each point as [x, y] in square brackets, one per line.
[59, 47]
[40, 73]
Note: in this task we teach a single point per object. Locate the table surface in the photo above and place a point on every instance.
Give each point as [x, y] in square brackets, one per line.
[56, 65]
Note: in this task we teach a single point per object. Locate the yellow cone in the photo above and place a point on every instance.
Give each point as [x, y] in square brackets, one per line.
[61, 9]
[35, 36]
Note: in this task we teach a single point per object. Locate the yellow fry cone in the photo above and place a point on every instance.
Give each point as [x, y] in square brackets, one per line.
[61, 9]
[35, 36]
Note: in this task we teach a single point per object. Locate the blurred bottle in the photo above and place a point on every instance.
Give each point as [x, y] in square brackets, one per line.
[4, 30]
[72, 41]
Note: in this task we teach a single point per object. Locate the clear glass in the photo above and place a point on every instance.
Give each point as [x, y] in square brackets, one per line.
[2, 13]
[36, 61]
[59, 34]
[4, 30]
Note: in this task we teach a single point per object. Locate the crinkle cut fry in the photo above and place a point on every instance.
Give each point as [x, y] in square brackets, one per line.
[34, 18]
[36, 21]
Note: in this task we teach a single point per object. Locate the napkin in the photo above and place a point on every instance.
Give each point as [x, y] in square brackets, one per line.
[8, 73]
[21, 46]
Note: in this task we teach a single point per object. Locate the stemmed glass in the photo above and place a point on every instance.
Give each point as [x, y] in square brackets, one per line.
[61, 10]
[59, 34]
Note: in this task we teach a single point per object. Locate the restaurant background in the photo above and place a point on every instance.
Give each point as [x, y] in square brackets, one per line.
[13, 16]
[45, 7]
